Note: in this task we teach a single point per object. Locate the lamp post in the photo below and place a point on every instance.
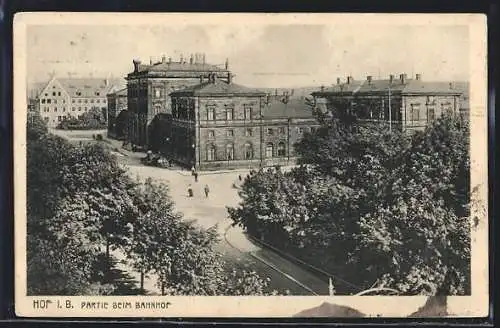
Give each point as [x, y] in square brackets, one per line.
[390, 109]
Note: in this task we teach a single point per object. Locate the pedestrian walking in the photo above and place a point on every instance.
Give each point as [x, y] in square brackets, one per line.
[239, 177]
[190, 191]
[193, 170]
[195, 176]
[207, 190]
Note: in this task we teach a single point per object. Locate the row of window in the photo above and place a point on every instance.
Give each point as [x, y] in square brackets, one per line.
[229, 113]
[431, 113]
[248, 153]
[47, 109]
[91, 101]
[49, 101]
[249, 132]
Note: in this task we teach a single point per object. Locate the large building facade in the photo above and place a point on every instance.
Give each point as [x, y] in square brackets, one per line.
[405, 103]
[62, 98]
[149, 86]
[218, 124]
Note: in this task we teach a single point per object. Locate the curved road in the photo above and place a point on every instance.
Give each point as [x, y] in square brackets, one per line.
[284, 275]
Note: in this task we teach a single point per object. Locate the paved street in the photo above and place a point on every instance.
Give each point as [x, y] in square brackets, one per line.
[210, 211]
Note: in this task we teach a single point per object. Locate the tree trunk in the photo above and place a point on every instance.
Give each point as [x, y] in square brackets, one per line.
[142, 282]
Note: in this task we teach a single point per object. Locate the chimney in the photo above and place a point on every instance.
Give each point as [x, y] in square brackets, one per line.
[169, 60]
[418, 77]
[286, 98]
[182, 59]
[203, 59]
[268, 98]
[136, 62]
[230, 78]
[322, 88]
[391, 78]
[369, 79]
[291, 93]
[150, 60]
[451, 85]
[106, 82]
[402, 77]
[191, 59]
[338, 80]
[227, 63]
[163, 59]
[349, 79]
[276, 92]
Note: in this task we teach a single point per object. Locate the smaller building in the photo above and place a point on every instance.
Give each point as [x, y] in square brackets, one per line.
[405, 104]
[63, 98]
[117, 103]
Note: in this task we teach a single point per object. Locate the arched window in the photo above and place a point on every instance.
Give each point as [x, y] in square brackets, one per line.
[229, 152]
[269, 150]
[248, 151]
[211, 153]
[281, 149]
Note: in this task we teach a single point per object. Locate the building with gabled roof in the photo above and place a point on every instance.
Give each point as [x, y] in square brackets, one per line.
[62, 98]
[218, 124]
[149, 86]
[413, 102]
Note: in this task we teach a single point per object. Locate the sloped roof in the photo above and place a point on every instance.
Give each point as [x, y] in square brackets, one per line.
[411, 86]
[121, 92]
[178, 66]
[87, 86]
[219, 88]
[294, 108]
[353, 86]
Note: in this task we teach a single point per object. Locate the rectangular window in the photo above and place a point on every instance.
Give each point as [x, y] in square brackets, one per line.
[59, 118]
[64, 109]
[79, 109]
[91, 101]
[53, 93]
[43, 101]
[229, 114]
[73, 109]
[73, 101]
[79, 101]
[281, 130]
[55, 101]
[415, 113]
[211, 134]
[270, 132]
[431, 114]
[85, 101]
[248, 132]
[248, 113]
[48, 101]
[300, 130]
[98, 100]
[230, 133]
[55, 109]
[59, 93]
[211, 114]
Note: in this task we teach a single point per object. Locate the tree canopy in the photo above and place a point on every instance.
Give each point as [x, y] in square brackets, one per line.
[371, 205]
[82, 206]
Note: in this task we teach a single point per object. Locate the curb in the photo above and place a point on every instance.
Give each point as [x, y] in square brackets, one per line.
[300, 262]
[267, 263]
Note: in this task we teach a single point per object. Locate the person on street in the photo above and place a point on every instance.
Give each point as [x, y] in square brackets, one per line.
[239, 177]
[207, 190]
[195, 176]
[190, 191]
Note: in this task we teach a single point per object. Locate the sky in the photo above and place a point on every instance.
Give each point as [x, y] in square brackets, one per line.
[275, 56]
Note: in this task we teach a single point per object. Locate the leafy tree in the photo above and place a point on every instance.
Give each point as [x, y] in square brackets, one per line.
[366, 203]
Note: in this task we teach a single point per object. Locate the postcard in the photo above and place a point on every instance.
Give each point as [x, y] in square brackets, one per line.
[250, 165]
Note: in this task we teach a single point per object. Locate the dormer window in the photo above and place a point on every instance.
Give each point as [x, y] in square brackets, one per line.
[97, 93]
[78, 93]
